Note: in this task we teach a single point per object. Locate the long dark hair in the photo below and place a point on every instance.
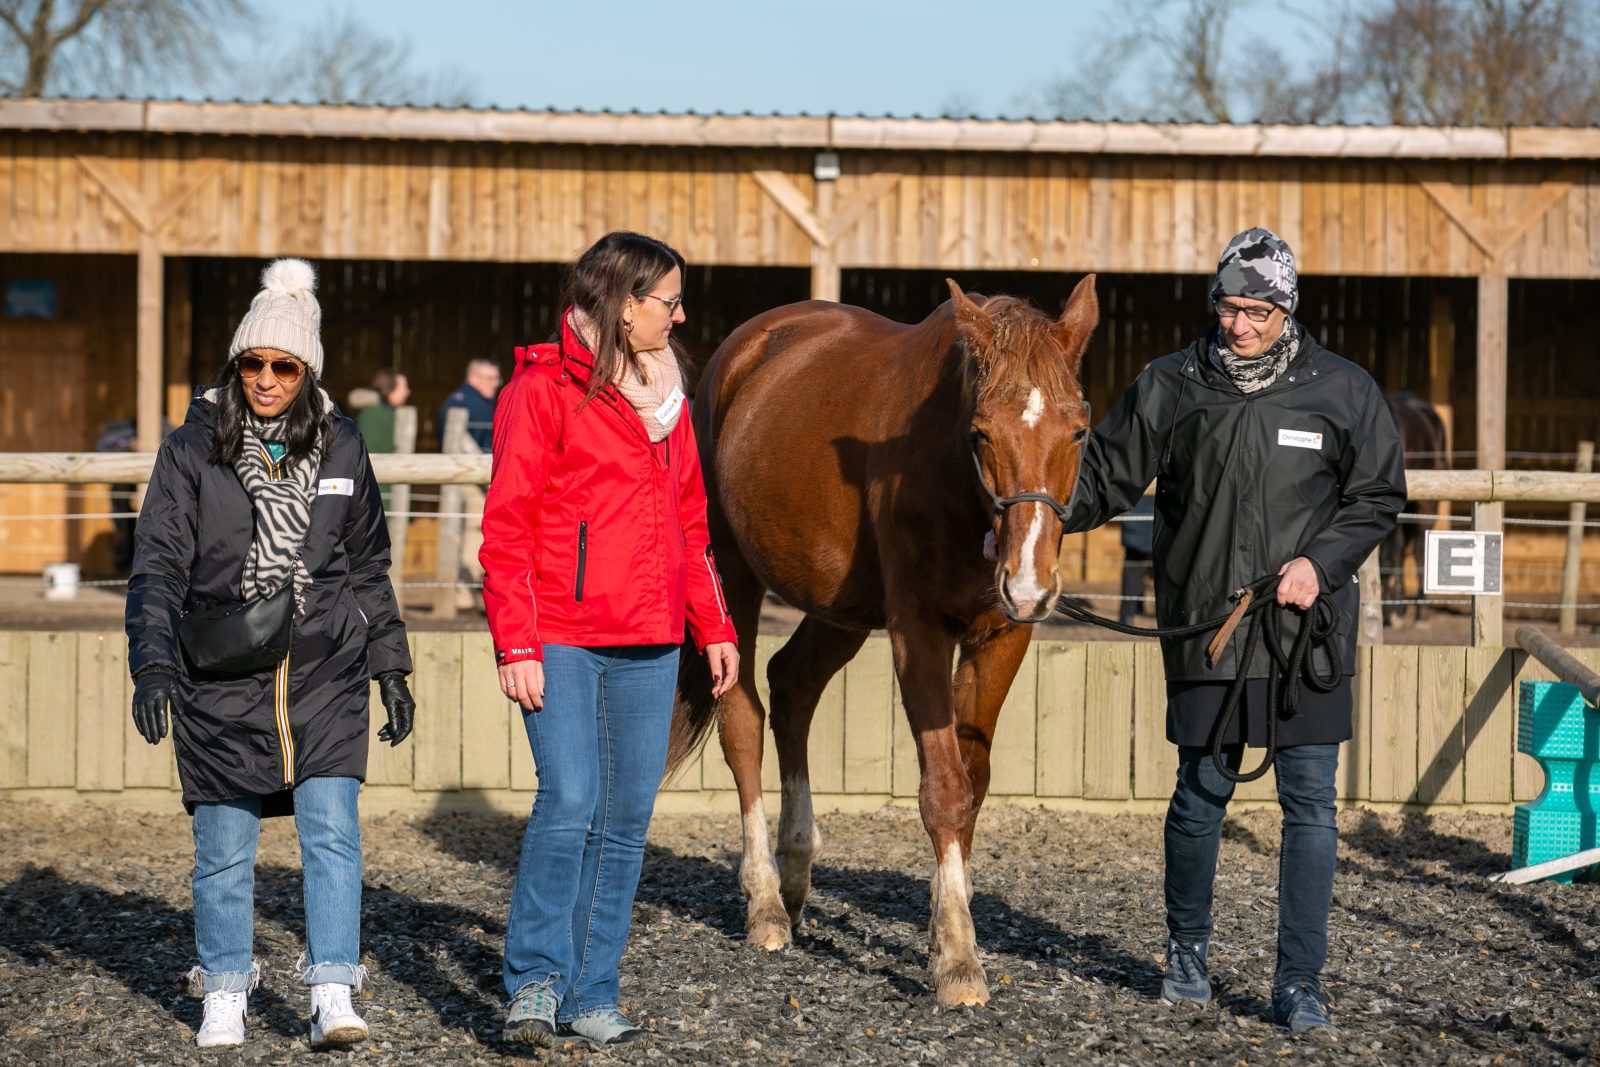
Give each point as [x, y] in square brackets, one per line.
[306, 420]
[619, 265]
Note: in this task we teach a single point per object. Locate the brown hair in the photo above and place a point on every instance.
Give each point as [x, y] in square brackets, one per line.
[618, 266]
[384, 381]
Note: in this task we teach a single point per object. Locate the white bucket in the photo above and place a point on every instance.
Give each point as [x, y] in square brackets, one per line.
[60, 581]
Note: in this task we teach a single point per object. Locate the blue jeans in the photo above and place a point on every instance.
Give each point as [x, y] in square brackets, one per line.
[1305, 859]
[600, 746]
[225, 835]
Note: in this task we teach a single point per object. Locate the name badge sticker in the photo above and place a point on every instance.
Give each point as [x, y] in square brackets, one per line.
[1300, 439]
[336, 487]
[674, 401]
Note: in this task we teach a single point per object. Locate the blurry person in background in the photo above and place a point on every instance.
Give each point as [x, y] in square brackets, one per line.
[373, 408]
[476, 394]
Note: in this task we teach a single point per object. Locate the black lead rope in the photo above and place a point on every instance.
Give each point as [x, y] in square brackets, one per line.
[1287, 670]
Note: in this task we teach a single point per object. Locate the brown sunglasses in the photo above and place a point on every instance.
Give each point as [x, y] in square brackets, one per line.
[285, 370]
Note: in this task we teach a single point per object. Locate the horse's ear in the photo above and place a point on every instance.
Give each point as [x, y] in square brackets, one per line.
[971, 319]
[1078, 320]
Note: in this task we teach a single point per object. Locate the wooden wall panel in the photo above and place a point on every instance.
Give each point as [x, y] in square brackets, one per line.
[1082, 722]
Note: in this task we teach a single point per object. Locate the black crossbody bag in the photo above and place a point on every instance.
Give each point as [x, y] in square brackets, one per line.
[241, 638]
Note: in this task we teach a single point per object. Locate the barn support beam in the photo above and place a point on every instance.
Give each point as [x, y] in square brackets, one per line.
[147, 343]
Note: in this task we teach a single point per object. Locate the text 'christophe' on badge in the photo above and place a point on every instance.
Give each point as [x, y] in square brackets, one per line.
[1463, 562]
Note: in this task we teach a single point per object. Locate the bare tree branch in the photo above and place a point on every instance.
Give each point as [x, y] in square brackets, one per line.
[110, 47]
[345, 61]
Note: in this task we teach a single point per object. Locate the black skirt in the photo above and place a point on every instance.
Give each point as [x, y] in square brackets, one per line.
[1193, 709]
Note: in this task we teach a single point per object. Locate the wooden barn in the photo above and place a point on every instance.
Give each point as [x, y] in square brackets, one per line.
[1460, 264]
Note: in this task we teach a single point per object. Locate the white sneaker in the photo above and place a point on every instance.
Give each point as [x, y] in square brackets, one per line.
[333, 1020]
[224, 1021]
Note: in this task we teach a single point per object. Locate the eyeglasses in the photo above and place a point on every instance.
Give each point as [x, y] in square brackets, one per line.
[1228, 311]
[672, 305]
[286, 371]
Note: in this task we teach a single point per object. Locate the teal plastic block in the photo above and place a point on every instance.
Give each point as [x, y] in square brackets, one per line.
[1559, 729]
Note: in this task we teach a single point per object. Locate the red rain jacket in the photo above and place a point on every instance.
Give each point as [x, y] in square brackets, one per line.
[592, 535]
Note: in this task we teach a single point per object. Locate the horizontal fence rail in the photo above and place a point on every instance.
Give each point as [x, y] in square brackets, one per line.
[1083, 726]
[430, 468]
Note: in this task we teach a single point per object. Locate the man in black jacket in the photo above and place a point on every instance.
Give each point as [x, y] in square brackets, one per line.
[1271, 456]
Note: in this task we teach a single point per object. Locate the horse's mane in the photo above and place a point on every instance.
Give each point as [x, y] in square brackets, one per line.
[1020, 353]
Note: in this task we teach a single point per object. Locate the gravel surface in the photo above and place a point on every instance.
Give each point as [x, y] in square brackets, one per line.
[1430, 963]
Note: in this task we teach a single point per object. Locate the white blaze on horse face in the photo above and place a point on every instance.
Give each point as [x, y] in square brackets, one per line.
[1035, 409]
[1023, 585]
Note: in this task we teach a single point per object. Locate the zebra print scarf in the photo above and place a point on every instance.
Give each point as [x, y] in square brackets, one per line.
[281, 495]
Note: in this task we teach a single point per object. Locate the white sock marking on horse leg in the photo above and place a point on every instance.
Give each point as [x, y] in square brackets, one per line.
[952, 922]
[798, 839]
[758, 871]
[1035, 409]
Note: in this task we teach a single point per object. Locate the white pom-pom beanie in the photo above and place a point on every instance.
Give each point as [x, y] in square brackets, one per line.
[284, 315]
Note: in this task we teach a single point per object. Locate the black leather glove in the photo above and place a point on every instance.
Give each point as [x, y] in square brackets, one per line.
[398, 703]
[152, 693]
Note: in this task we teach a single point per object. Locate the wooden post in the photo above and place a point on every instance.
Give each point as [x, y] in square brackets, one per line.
[1493, 306]
[1370, 583]
[447, 567]
[1486, 614]
[825, 275]
[147, 344]
[405, 441]
[1571, 565]
[1441, 375]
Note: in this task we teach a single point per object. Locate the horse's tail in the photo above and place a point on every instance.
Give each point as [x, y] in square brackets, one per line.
[693, 708]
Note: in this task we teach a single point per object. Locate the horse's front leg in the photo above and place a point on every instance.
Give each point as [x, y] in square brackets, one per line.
[984, 673]
[922, 662]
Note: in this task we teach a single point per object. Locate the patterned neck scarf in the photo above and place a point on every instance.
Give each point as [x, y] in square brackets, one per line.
[281, 494]
[651, 383]
[1254, 375]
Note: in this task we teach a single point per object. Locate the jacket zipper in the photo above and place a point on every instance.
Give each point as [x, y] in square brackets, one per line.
[583, 551]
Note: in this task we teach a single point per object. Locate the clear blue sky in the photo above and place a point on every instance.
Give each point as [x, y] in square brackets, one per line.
[897, 57]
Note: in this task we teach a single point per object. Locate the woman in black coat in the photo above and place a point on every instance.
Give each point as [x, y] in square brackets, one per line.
[264, 503]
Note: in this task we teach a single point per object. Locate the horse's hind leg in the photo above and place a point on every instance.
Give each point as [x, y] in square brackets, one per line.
[739, 725]
[798, 674]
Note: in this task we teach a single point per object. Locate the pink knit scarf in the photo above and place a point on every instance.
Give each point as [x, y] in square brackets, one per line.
[651, 382]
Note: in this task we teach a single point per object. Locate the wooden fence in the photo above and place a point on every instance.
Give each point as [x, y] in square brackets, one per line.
[1083, 727]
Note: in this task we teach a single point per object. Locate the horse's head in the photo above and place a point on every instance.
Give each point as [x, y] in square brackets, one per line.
[1028, 421]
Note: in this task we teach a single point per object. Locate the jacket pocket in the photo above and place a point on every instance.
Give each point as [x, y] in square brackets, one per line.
[583, 553]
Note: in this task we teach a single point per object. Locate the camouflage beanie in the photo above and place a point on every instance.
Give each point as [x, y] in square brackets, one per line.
[1258, 265]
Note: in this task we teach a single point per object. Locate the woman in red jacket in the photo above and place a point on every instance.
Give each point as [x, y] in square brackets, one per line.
[595, 556]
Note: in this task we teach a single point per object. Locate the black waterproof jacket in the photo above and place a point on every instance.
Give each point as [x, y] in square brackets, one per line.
[259, 735]
[1310, 466]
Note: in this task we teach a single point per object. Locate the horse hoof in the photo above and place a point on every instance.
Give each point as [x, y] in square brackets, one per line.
[962, 986]
[769, 933]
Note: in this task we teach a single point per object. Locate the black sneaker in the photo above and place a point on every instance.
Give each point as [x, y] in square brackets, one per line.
[1301, 1008]
[1186, 979]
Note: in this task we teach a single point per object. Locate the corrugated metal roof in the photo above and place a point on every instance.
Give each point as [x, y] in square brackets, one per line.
[797, 130]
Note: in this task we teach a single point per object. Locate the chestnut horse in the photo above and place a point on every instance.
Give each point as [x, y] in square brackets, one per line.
[855, 466]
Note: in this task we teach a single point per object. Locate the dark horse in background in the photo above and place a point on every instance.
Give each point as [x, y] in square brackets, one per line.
[849, 465]
[1422, 439]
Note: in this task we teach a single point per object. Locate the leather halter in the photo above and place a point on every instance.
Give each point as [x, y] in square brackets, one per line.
[1001, 503]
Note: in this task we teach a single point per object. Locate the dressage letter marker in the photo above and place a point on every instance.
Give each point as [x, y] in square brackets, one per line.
[1465, 562]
